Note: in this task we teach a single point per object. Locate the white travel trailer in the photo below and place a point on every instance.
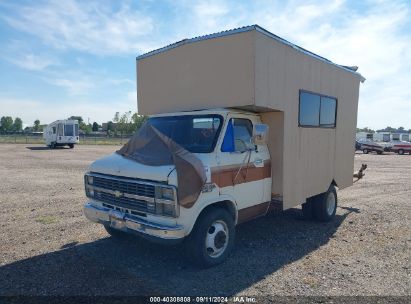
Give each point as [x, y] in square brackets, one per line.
[400, 137]
[205, 161]
[62, 133]
[364, 136]
[382, 136]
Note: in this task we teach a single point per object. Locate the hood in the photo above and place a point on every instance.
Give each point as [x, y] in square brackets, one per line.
[115, 164]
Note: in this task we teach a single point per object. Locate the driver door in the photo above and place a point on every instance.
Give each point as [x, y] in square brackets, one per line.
[243, 169]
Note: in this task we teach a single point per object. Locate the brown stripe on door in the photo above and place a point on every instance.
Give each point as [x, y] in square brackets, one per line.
[224, 176]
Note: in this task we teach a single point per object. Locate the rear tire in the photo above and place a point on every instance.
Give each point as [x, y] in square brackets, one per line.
[52, 145]
[401, 152]
[365, 151]
[324, 205]
[212, 238]
[307, 209]
[379, 152]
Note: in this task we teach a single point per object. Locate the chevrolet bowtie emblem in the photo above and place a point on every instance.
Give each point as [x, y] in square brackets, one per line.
[118, 194]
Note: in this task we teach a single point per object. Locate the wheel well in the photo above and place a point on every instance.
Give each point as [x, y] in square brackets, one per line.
[229, 206]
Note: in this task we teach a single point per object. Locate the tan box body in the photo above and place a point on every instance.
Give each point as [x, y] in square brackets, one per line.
[252, 69]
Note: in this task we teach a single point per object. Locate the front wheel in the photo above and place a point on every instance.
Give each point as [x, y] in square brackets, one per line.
[71, 146]
[365, 151]
[400, 151]
[212, 238]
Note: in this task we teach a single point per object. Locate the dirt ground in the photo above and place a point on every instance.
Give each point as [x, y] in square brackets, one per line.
[49, 248]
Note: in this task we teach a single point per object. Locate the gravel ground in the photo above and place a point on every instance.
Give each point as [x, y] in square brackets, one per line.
[49, 248]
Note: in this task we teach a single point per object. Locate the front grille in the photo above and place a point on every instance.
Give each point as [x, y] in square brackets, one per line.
[125, 186]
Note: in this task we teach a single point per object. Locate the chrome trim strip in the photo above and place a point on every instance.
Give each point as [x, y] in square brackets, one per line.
[135, 196]
[125, 179]
[104, 216]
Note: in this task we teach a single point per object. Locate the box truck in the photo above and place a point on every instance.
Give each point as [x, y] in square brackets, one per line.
[241, 122]
[60, 133]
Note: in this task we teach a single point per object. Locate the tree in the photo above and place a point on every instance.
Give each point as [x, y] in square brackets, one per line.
[79, 118]
[110, 126]
[6, 123]
[95, 126]
[366, 129]
[36, 127]
[123, 123]
[138, 121]
[18, 124]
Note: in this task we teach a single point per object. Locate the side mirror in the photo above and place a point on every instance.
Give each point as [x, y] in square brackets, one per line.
[260, 134]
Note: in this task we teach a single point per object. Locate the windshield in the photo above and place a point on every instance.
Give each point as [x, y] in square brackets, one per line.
[195, 133]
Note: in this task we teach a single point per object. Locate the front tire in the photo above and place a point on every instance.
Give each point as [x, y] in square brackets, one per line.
[53, 145]
[365, 151]
[71, 146]
[401, 152]
[324, 205]
[212, 238]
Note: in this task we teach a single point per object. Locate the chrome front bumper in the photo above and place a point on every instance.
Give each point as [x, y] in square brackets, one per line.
[125, 222]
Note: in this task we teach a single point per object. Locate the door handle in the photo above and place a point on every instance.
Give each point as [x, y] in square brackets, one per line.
[258, 162]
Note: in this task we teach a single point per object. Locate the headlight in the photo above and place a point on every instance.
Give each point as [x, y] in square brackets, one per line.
[166, 203]
[166, 193]
[88, 180]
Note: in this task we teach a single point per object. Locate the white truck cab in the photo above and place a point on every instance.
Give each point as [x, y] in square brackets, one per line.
[131, 197]
[62, 133]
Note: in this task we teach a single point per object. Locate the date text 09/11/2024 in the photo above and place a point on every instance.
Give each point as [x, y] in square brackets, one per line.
[205, 299]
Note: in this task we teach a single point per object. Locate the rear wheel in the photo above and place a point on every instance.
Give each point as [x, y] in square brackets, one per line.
[52, 145]
[365, 151]
[400, 151]
[379, 152]
[212, 238]
[324, 205]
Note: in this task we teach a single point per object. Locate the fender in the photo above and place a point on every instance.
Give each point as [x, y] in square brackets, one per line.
[200, 205]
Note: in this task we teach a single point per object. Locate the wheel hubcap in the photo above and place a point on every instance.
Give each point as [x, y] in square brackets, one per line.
[216, 239]
[330, 203]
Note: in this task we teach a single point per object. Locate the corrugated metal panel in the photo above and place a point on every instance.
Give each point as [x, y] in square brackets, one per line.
[246, 29]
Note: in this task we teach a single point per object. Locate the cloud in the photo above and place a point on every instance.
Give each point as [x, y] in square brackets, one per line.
[72, 86]
[374, 35]
[33, 62]
[91, 26]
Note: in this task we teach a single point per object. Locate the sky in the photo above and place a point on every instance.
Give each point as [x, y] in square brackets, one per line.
[65, 57]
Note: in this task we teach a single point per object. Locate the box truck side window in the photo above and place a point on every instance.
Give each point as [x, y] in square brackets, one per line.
[316, 110]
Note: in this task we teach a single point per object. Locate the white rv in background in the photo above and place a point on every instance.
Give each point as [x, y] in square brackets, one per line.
[62, 133]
